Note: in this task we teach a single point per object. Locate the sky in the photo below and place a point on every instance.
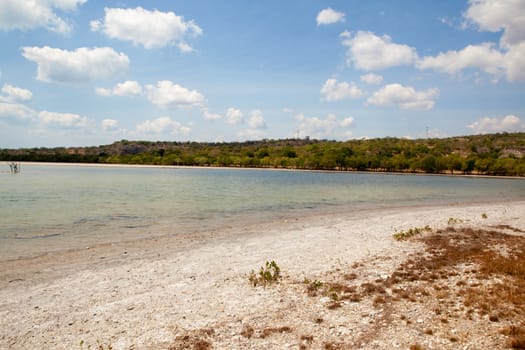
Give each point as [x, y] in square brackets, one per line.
[87, 73]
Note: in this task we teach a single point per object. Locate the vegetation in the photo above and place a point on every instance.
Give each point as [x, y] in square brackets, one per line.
[494, 154]
[459, 278]
[403, 235]
[268, 274]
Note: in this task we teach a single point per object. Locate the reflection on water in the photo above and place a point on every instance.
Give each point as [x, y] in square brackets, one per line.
[51, 207]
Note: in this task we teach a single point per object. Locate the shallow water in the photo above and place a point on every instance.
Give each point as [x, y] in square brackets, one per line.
[55, 207]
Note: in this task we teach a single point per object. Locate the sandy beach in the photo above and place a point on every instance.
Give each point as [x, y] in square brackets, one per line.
[193, 291]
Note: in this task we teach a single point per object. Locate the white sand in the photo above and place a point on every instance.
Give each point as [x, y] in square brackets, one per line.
[141, 295]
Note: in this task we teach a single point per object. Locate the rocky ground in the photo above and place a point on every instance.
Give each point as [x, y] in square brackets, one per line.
[404, 278]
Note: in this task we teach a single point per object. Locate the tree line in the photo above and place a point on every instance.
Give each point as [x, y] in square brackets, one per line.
[493, 154]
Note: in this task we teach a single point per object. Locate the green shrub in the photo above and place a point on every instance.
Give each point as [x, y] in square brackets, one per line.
[269, 273]
[403, 235]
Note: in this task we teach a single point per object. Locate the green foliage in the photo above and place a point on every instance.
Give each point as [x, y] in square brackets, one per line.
[454, 221]
[496, 154]
[312, 286]
[268, 274]
[404, 235]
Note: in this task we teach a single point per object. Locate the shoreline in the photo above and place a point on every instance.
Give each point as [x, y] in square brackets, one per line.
[143, 295]
[230, 230]
[153, 166]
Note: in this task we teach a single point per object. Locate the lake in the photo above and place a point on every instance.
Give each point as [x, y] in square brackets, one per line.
[51, 207]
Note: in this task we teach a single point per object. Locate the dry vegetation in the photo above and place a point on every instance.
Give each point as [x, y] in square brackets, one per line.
[467, 287]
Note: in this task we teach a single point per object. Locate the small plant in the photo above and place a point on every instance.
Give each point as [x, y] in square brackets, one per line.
[454, 221]
[484, 216]
[312, 286]
[403, 235]
[270, 273]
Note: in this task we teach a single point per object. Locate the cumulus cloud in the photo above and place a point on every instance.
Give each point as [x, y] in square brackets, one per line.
[127, 88]
[404, 97]
[210, 116]
[168, 95]
[81, 65]
[329, 16]
[483, 56]
[345, 123]
[251, 134]
[334, 91]
[109, 124]
[163, 125]
[151, 29]
[509, 123]
[505, 60]
[64, 120]
[15, 94]
[234, 116]
[16, 112]
[31, 14]
[372, 78]
[256, 120]
[329, 127]
[499, 15]
[367, 51]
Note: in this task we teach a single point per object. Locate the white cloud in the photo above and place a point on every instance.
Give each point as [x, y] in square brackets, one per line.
[506, 60]
[82, 65]
[256, 126]
[404, 97]
[151, 29]
[163, 125]
[210, 116]
[509, 123]
[234, 116]
[251, 134]
[127, 88]
[372, 78]
[16, 112]
[334, 91]
[347, 122]
[321, 128]
[329, 16]
[184, 47]
[515, 63]
[64, 120]
[367, 51]
[109, 124]
[15, 94]
[346, 34]
[483, 56]
[31, 14]
[499, 15]
[256, 120]
[168, 95]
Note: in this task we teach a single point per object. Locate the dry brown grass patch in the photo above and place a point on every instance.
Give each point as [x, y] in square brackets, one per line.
[271, 330]
[463, 274]
[193, 340]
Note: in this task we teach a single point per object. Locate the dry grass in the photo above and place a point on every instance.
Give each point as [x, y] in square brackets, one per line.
[193, 340]
[271, 330]
[247, 331]
[517, 336]
[463, 275]
[487, 267]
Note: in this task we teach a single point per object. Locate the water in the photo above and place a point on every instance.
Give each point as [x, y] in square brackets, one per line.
[54, 207]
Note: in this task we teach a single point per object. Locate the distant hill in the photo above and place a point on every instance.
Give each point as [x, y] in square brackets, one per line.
[493, 154]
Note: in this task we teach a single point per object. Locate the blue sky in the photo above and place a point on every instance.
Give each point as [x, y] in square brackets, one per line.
[86, 72]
